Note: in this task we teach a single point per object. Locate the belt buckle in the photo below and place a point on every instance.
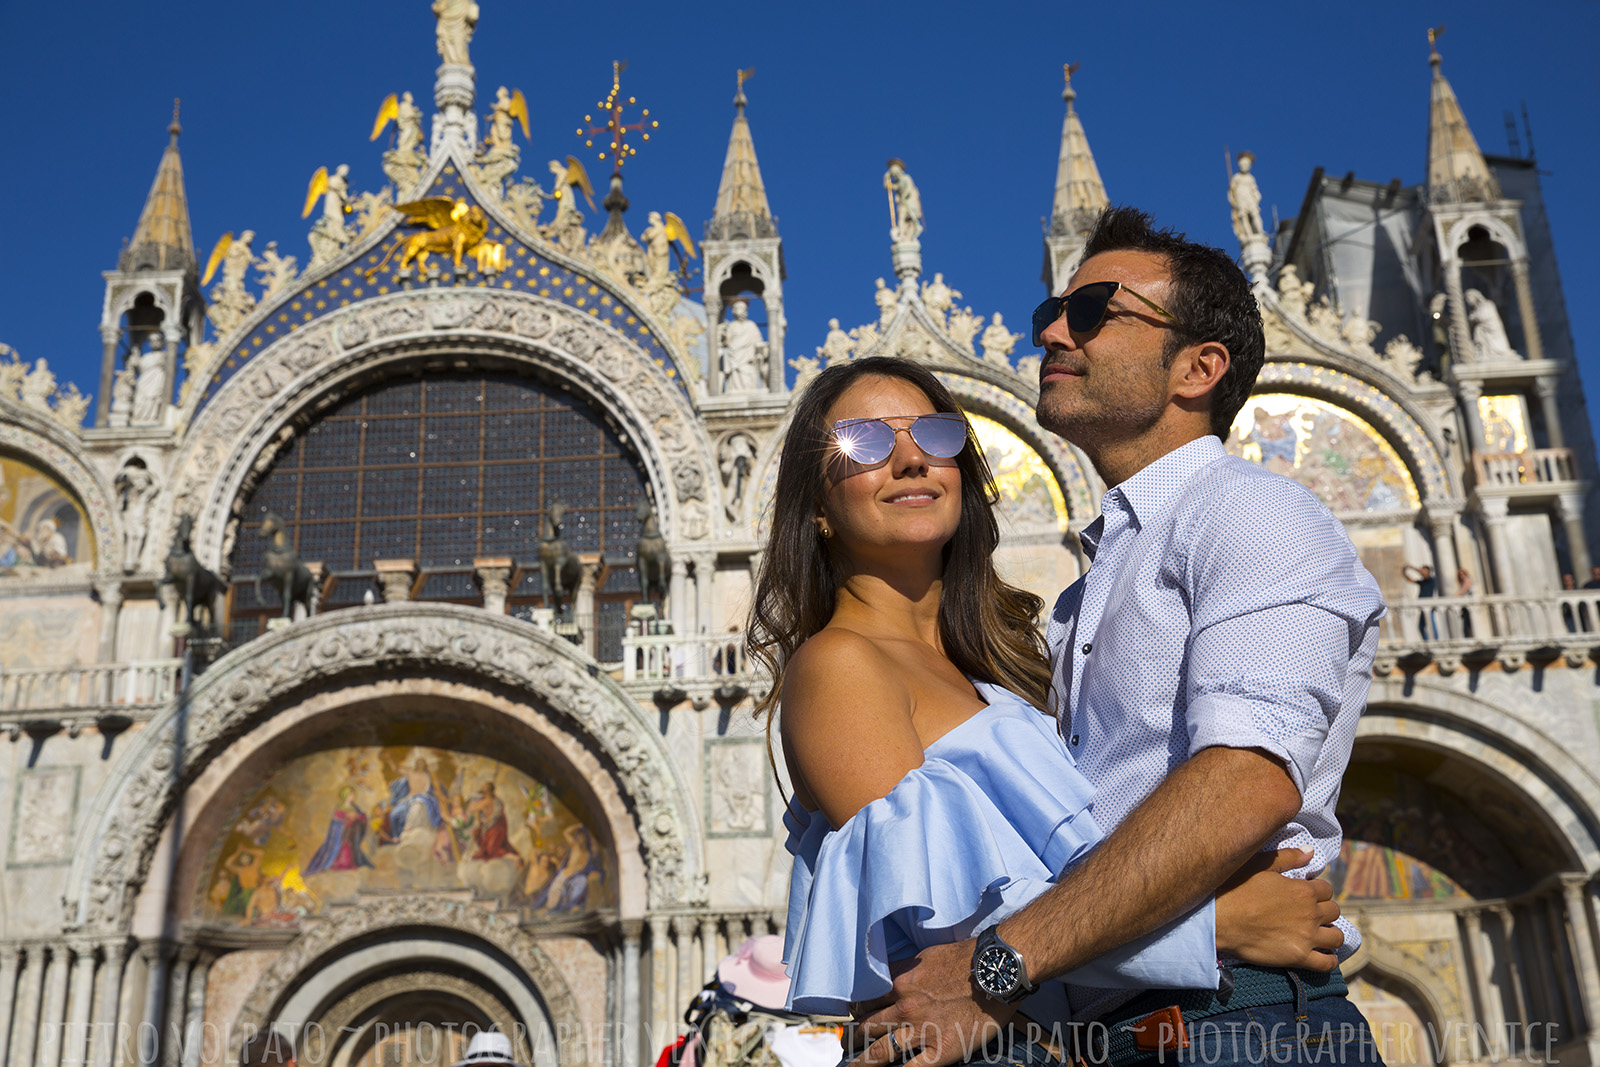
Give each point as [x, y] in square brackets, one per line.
[1160, 1031]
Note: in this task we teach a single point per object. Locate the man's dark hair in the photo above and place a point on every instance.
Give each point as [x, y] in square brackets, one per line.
[1210, 298]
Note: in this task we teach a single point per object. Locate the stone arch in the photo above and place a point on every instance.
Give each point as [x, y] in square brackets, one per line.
[41, 439]
[1559, 790]
[1391, 968]
[481, 930]
[239, 430]
[1401, 425]
[1459, 230]
[113, 855]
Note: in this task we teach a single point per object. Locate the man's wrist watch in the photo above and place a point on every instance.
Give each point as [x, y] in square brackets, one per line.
[998, 970]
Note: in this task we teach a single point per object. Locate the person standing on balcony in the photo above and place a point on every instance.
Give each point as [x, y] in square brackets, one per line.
[1427, 587]
[933, 793]
[1214, 659]
[1594, 579]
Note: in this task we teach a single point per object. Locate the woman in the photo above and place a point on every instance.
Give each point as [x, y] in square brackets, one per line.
[932, 794]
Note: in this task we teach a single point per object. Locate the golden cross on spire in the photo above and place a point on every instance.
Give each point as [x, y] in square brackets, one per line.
[612, 108]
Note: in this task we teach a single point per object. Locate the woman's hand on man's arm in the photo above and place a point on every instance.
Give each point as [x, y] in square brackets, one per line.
[1271, 920]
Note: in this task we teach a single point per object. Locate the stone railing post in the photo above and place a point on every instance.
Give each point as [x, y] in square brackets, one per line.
[396, 577]
[492, 574]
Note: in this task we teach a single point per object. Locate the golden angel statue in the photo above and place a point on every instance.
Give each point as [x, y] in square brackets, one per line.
[403, 163]
[658, 240]
[454, 228]
[499, 157]
[566, 229]
[328, 233]
[231, 302]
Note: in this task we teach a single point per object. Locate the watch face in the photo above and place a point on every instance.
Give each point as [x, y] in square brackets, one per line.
[998, 972]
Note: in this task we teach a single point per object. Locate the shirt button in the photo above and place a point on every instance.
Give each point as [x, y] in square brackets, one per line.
[1086, 649]
[1074, 739]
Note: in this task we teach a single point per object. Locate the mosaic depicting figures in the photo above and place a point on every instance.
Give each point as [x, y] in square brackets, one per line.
[1325, 448]
[1027, 490]
[1418, 832]
[1505, 424]
[42, 527]
[341, 821]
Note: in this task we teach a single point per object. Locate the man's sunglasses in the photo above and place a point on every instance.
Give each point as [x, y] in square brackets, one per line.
[1085, 308]
[871, 441]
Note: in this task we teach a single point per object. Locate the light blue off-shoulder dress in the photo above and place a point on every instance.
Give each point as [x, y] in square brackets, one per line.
[994, 814]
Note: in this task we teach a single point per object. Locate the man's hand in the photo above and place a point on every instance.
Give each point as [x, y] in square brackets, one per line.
[936, 1012]
[1269, 920]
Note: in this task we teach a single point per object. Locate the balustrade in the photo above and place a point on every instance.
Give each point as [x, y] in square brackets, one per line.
[1536, 466]
[89, 685]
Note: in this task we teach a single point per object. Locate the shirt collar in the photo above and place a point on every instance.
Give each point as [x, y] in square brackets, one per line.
[1149, 491]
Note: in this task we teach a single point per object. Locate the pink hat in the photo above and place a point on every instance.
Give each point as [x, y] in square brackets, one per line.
[755, 972]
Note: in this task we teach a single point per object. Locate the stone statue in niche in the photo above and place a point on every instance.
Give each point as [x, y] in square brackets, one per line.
[1244, 196]
[136, 488]
[736, 457]
[122, 397]
[744, 354]
[1488, 330]
[150, 388]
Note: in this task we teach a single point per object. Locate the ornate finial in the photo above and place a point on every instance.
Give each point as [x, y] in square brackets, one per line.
[1069, 94]
[612, 107]
[1434, 33]
[739, 100]
[175, 129]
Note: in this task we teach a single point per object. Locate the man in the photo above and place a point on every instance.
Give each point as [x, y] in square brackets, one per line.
[1594, 579]
[1209, 671]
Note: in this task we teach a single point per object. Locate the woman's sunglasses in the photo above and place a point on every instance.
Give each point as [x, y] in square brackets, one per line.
[1086, 308]
[871, 441]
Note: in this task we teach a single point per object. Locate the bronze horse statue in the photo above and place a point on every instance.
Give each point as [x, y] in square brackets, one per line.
[652, 560]
[198, 586]
[281, 566]
[561, 568]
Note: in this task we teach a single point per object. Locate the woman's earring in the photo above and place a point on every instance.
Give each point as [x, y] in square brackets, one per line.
[824, 530]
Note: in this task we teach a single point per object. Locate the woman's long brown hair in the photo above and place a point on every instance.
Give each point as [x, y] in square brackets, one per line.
[987, 625]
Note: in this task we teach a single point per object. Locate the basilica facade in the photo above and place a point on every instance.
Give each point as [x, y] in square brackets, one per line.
[371, 660]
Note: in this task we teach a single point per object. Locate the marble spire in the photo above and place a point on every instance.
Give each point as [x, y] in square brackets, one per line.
[741, 209]
[1080, 194]
[1456, 169]
[163, 239]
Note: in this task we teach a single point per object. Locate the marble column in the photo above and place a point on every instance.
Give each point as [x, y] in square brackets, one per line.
[110, 334]
[705, 569]
[677, 593]
[1546, 962]
[172, 1026]
[1516, 966]
[76, 1036]
[1525, 309]
[632, 1039]
[611, 1037]
[194, 1022]
[583, 604]
[30, 989]
[395, 578]
[1470, 391]
[157, 956]
[1569, 508]
[173, 334]
[660, 1009]
[109, 592]
[493, 577]
[1493, 1013]
[1564, 952]
[708, 947]
[103, 1049]
[1493, 511]
[53, 1013]
[1463, 1046]
[1461, 346]
[1441, 519]
[1549, 390]
[683, 929]
[10, 956]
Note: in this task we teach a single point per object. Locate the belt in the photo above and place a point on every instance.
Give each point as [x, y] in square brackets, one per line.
[1155, 1023]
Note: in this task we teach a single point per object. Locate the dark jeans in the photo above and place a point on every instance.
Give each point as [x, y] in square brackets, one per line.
[1330, 1031]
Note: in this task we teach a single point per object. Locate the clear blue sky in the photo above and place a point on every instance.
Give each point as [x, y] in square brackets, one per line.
[969, 95]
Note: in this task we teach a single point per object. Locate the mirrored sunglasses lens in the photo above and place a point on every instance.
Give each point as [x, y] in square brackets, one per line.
[1043, 316]
[869, 441]
[1086, 307]
[940, 437]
